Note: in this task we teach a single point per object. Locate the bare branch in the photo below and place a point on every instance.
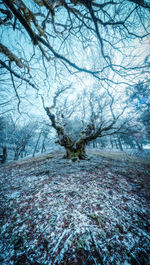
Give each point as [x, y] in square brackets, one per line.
[10, 55]
[18, 76]
[16, 92]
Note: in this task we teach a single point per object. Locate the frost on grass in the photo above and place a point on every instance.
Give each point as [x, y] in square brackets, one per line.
[54, 211]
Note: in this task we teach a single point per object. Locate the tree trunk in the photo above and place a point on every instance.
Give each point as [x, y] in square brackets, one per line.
[75, 153]
[43, 149]
[34, 151]
[139, 145]
[16, 156]
[3, 157]
[111, 142]
[80, 149]
[120, 144]
[94, 144]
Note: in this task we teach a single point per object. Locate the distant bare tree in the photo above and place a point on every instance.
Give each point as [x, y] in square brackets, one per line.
[21, 138]
[42, 135]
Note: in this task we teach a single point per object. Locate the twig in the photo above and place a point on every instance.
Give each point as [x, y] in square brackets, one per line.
[135, 259]
[95, 261]
[96, 246]
[15, 89]
[58, 242]
[60, 257]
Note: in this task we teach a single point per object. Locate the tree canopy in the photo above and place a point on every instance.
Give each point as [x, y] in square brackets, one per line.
[67, 31]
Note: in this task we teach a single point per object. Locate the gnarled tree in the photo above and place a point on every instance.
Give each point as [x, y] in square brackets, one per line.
[99, 120]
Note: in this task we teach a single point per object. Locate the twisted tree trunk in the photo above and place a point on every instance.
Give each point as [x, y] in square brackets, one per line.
[77, 152]
[74, 149]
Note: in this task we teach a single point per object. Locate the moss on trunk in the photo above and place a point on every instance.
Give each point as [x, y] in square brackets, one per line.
[76, 153]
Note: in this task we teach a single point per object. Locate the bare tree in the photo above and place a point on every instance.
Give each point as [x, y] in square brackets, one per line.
[21, 138]
[42, 132]
[100, 120]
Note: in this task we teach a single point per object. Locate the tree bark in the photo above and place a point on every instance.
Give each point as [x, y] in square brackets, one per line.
[16, 156]
[75, 153]
[120, 144]
[34, 151]
[139, 146]
[3, 157]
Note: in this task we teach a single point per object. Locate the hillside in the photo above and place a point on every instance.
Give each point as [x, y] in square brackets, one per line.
[95, 211]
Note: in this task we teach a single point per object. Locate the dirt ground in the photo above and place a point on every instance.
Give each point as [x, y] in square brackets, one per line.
[96, 211]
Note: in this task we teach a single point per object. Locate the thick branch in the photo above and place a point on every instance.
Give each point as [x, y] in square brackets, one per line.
[10, 55]
[22, 20]
[140, 3]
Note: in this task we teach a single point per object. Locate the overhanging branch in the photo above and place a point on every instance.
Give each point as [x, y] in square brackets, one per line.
[17, 75]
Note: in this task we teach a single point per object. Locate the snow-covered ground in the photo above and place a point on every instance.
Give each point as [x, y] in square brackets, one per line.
[54, 211]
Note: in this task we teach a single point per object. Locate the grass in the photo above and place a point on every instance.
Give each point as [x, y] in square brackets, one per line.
[121, 156]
